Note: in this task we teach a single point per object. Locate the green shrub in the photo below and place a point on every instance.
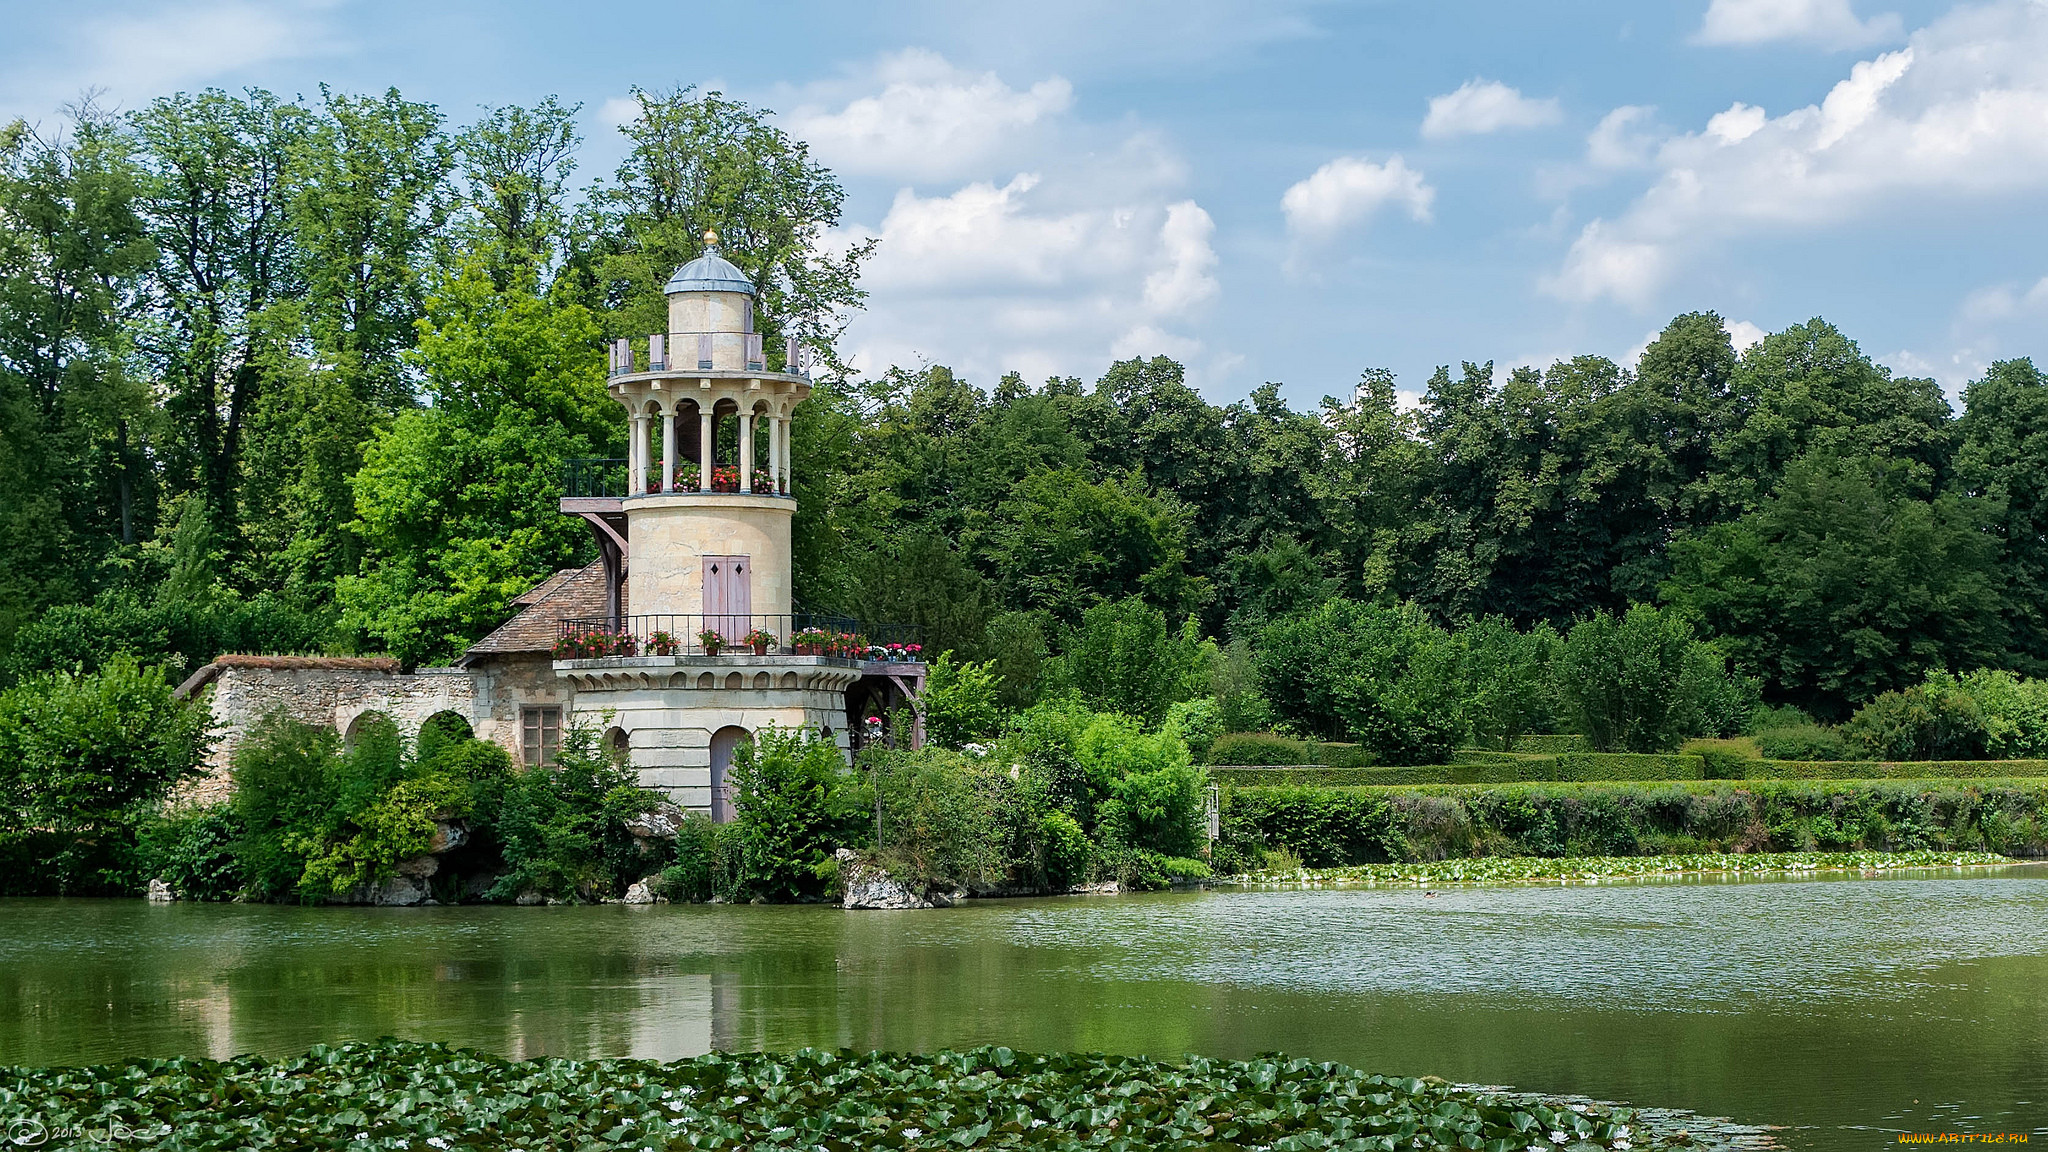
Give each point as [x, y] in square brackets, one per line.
[1937, 720]
[1064, 855]
[1140, 870]
[1195, 723]
[693, 876]
[1641, 682]
[941, 818]
[193, 850]
[795, 801]
[81, 758]
[1725, 759]
[563, 826]
[1336, 827]
[1507, 680]
[1338, 755]
[2014, 713]
[1382, 675]
[1257, 749]
[1124, 658]
[1896, 770]
[1501, 768]
[181, 634]
[1767, 716]
[1803, 742]
[1147, 793]
[960, 703]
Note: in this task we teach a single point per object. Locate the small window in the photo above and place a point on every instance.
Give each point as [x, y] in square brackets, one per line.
[543, 734]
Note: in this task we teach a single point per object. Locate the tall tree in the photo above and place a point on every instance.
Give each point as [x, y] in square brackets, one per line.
[2003, 459]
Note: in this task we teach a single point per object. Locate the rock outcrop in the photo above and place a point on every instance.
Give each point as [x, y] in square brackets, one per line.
[869, 886]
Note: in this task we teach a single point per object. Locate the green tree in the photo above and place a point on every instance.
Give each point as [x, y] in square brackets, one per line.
[1844, 583]
[1063, 544]
[1381, 674]
[794, 802]
[2003, 461]
[959, 702]
[79, 756]
[1622, 679]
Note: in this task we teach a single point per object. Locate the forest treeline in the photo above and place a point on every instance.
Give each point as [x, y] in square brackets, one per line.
[303, 375]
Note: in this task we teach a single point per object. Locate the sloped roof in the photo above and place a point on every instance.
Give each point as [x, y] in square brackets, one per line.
[570, 594]
[710, 273]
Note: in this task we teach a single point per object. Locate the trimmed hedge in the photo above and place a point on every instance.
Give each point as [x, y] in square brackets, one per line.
[1257, 749]
[1338, 827]
[1498, 768]
[1553, 745]
[1891, 770]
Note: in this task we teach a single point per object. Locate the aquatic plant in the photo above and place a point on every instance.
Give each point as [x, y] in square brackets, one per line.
[389, 1094]
[1509, 869]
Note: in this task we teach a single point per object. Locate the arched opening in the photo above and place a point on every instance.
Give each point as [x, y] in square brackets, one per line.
[363, 724]
[619, 744]
[442, 731]
[724, 743]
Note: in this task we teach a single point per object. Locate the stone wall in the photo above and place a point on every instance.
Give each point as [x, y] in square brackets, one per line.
[330, 691]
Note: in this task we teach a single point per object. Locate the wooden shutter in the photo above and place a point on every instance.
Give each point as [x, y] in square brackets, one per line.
[729, 596]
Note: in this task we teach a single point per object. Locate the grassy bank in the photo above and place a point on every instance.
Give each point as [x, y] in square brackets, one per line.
[1584, 869]
[392, 1095]
[1341, 827]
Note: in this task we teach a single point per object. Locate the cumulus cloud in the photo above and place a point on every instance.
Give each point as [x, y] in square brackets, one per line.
[1481, 106]
[1827, 23]
[930, 120]
[1960, 114]
[1348, 190]
[1742, 334]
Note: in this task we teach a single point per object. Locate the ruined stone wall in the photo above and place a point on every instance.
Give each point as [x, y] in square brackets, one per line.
[327, 691]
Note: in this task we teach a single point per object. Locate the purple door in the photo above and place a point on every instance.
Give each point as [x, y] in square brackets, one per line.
[729, 596]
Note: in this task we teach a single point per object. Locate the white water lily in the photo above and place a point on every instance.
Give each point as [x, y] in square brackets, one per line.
[1037, 1123]
[1558, 1137]
[1621, 1142]
[1621, 1131]
[912, 1133]
[740, 1099]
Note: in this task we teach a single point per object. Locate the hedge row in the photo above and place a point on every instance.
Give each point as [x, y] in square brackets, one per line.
[1337, 827]
[1886, 770]
[1496, 768]
[1552, 745]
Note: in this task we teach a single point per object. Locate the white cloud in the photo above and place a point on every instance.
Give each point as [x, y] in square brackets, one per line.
[1827, 23]
[1348, 190]
[1481, 106]
[1960, 115]
[930, 120]
[162, 49]
[1742, 334]
[1624, 138]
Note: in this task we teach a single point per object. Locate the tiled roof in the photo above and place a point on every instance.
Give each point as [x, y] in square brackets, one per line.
[567, 595]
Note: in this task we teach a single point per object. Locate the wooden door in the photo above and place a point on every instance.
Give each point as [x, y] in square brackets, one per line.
[729, 596]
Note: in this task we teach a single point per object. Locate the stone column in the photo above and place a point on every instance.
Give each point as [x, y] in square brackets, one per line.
[636, 457]
[668, 451]
[747, 451]
[706, 447]
[775, 453]
[788, 456]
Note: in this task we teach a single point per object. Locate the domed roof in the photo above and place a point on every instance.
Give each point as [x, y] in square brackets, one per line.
[710, 273]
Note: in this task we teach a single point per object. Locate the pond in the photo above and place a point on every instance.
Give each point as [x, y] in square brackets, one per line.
[1843, 1008]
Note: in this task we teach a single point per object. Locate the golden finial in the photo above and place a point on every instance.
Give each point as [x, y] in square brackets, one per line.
[711, 235]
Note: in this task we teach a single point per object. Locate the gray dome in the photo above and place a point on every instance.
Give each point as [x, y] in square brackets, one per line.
[710, 273]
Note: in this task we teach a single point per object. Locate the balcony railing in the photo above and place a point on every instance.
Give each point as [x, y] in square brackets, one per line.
[800, 634]
[612, 477]
[702, 352]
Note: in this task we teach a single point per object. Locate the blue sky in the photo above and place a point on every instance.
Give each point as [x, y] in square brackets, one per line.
[1274, 190]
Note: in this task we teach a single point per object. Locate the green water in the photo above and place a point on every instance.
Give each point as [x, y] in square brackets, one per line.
[1845, 1009]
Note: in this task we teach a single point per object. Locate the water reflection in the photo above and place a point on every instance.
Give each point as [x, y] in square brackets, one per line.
[1833, 1005]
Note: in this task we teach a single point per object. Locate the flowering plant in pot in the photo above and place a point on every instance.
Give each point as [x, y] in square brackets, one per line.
[761, 639]
[764, 484]
[809, 641]
[725, 478]
[568, 648]
[711, 641]
[661, 644]
[686, 478]
[622, 644]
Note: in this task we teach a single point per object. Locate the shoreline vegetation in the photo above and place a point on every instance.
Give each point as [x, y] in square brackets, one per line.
[391, 1094]
[1594, 869]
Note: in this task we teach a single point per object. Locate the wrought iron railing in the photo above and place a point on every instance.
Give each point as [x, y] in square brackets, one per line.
[612, 478]
[594, 477]
[714, 634]
[702, 351]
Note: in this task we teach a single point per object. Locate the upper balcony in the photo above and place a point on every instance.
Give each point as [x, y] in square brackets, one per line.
[686, 353]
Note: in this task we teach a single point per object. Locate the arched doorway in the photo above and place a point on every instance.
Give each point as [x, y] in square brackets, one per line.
[442, 730]
[619, 744]
[724, 743]
[365, 725]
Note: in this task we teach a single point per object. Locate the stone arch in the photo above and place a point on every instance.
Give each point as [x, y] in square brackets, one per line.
[761, 680]
[361, 722]
[724, 743]
[618, 743]
[789, 680]
[704, 681]
[732, 680]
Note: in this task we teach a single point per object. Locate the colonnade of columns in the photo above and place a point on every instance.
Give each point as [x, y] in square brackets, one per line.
[639, 458]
